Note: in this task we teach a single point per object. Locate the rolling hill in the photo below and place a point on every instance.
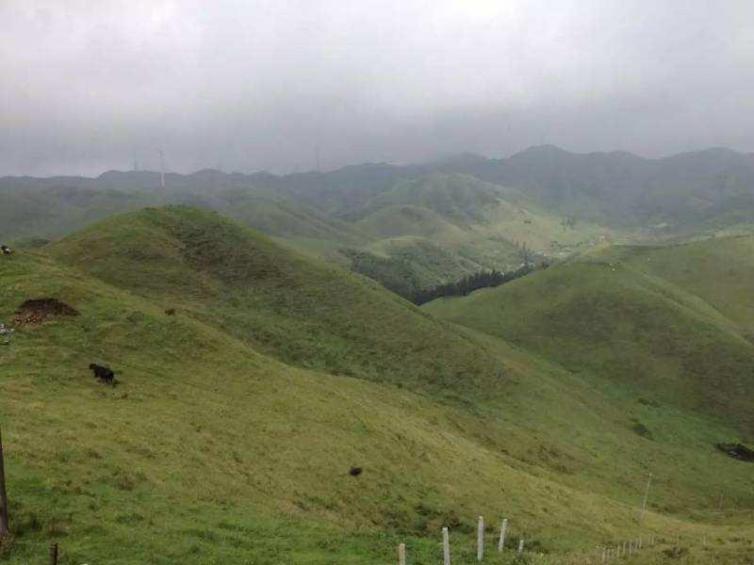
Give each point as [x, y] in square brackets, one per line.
[670, 320]
[469, 213]
[298, 310]
[238, 417]
[478, 226]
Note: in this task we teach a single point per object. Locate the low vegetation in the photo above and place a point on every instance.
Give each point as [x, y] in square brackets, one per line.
[252, 381]
[470, 283]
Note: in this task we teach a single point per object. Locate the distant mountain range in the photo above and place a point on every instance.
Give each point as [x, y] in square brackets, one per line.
[425, 223]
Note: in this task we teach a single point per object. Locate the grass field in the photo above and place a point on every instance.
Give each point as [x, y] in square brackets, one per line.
[230, 436]
[641, 317]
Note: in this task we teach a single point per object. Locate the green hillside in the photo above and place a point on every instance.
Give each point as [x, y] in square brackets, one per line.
[302, 311]
[461, 211]
[438, 228]
[720, 271]
[229, 437]
[359, 209]
[652, 320]
[460, 199]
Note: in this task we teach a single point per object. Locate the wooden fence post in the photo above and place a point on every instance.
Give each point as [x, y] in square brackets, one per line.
[53, 554]
[402, 554]
[4, 525]
[503, 529]
[445, 547]
[480, 539]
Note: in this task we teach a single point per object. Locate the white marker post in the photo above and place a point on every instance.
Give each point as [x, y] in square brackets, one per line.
[503, 530]
[445, 547]
[480, 539]
[520, 546]
[646, 498]
[402, 554]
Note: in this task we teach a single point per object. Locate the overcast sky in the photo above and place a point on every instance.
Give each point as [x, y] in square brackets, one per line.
[245, 85]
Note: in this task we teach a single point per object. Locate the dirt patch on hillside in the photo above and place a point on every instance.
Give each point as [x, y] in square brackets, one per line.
[39, 310]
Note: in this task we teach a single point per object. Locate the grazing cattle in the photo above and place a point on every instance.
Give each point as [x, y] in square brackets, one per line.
[5, 250]
[104, 374]
[355, 471]
[170, 311]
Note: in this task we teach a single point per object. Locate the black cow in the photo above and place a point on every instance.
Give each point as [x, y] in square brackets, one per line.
[355, 471]
[104, 374]
[5, 250]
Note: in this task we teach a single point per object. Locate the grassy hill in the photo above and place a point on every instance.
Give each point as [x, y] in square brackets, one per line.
[231, 434]
[359, 210]
[474, 225]
[720, 271]
[659, 321]
[302, 311]
[460, 199]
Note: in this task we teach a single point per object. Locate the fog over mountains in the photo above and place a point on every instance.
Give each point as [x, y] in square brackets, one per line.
[617, 188]
[278, 86]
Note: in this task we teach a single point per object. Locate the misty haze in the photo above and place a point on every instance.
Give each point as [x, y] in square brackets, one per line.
[376, 282]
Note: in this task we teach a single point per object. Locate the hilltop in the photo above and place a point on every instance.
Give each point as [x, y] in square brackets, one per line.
[297, 309]
[238, 416]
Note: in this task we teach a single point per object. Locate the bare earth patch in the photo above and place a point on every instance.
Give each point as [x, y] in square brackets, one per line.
[39, 310]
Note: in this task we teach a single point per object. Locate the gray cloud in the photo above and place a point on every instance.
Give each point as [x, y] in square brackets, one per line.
[260, 84]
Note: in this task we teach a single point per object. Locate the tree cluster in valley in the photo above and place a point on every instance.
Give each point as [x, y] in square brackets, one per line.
[470, 283]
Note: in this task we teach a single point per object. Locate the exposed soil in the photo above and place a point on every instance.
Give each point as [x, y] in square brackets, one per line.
[737, 451]
[39, 310]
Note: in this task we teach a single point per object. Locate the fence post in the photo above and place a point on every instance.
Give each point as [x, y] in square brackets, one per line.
[402, 554]
[4, 525]
[53, 554]
[480, 539]
[445, 547]
[503, 529]
[604, 555]
[520, 546]
[646, 498]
